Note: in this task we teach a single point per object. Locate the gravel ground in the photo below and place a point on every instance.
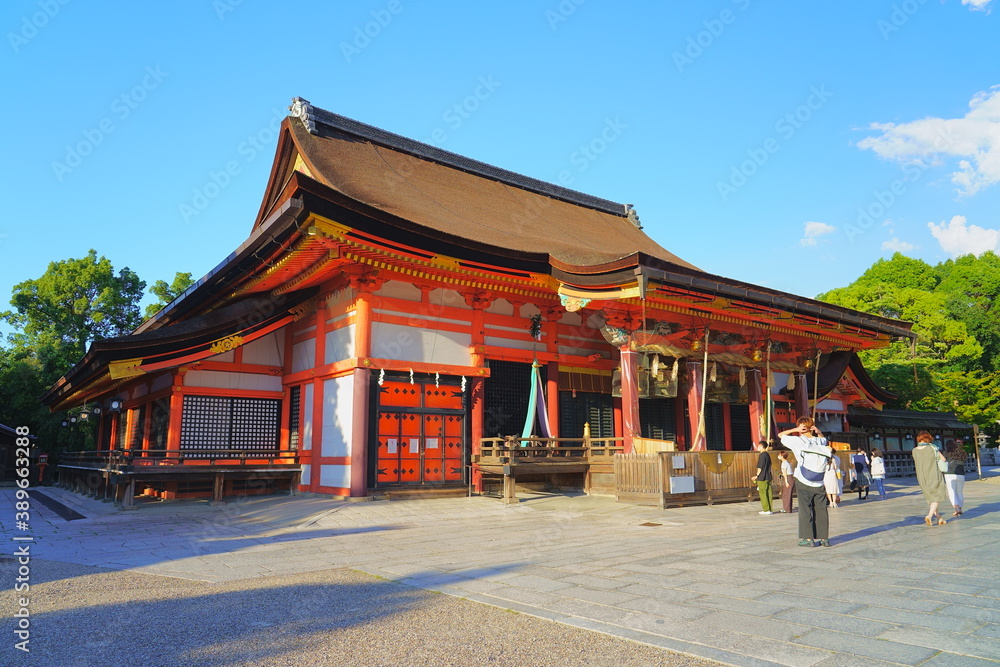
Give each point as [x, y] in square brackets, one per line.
[84, 615]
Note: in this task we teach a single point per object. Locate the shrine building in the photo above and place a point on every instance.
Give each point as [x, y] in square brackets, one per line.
[396, 304]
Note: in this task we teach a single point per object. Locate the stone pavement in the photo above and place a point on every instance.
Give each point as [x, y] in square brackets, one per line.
[719, 582]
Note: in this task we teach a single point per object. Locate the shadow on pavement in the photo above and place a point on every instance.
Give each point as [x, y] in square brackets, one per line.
[187, 623]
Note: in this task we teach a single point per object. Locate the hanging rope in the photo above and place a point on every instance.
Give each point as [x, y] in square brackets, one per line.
[713, 375]
[791, 381]
[743, 376]
[768, 384]
[816, 383]
[702, 431]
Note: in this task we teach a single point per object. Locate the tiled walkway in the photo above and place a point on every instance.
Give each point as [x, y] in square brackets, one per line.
[720, 582]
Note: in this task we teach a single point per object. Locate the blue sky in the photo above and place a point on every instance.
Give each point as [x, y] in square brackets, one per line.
[785, 144]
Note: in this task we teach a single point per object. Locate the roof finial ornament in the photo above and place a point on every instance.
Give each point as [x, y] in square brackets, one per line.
[633, 215]
[303, 110]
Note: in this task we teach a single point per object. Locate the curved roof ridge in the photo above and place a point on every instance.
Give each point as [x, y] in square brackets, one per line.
[314, 117]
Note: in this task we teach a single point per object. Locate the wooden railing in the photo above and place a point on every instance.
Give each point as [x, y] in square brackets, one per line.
[122, 460]
[516, 450]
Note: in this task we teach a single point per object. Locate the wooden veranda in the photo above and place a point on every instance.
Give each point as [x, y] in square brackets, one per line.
[114, 474]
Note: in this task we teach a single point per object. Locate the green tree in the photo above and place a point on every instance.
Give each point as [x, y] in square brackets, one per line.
[74, 303]
[953, 363]
[166, 293]
[972, 286]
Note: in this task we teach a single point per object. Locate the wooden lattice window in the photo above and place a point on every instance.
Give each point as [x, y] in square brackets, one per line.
[586, 407]
[294, 416]
[658, 418]
[137, 417]
[248, 424]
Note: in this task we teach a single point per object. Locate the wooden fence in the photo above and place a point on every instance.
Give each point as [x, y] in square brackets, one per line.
[673, 479]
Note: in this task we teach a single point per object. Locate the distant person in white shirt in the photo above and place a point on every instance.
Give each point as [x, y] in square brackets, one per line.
[812, 453]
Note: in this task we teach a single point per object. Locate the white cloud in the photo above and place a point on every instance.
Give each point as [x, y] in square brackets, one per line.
[895, 245]
[974, 139]
[980, 5]
[813, 230]
[958, 238]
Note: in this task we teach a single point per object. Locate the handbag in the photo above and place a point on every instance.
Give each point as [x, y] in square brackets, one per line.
[839, 476]
[942, 465]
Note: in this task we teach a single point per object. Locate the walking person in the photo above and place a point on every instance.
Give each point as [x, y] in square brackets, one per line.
[833, 481]
[764, 477]
[812, 453]
[954, 477]
[929, 476]
[861, 472]
[785, 475]
[878, 473]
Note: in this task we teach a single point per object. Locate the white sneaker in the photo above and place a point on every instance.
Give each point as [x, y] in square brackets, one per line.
[763, 512]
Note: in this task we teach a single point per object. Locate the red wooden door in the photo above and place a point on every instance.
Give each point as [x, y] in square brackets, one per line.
[421, 434]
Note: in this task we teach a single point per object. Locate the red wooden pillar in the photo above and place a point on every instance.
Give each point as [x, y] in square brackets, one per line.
[551, 329]
[630, 397]
[801, 396]
[758, 409]
[694, 372]
[616, 412]
[362, 383]
[476, 393]
[174, 423]
[359, 433]
[479, 302]
[680, 436]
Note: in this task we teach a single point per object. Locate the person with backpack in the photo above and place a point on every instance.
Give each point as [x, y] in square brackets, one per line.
[813, 455]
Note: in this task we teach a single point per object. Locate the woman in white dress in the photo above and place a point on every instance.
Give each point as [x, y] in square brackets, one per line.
[832, 480]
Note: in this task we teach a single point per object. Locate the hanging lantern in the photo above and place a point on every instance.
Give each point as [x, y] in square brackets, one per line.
[757, 356]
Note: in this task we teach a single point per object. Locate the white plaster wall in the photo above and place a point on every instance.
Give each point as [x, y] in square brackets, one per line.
[393, 341]
[306, 475]
[343, 296]
[306, 441]
[397, 289]
[338, 397]
[304, 355]
[267, 350]
[227, 380]
[583, 351]
[501, 307]
[447, 297]
[139, 390]
[830, 404]
[162, 382]
[510, 342]
[340, 344]
[336, 476]
[571, 319]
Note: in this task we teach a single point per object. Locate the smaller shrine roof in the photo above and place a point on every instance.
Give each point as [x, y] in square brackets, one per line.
[904, 419]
